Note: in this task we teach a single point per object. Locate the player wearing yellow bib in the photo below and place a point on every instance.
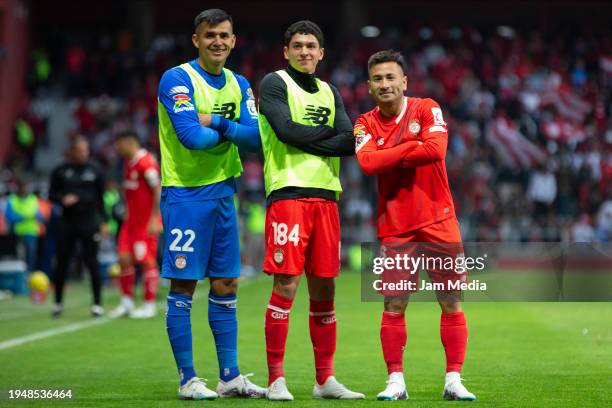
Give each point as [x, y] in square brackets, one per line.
[304, 129]
[205, 113]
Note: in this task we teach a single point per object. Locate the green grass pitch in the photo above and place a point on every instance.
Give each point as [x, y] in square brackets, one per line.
[519, 354]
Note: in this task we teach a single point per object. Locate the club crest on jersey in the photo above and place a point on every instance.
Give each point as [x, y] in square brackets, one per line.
[182, 102]
[279, 257]
[414, 127]
[180, 261]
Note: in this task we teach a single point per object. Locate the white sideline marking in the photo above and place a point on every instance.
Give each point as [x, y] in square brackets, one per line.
[18, 341]
[45, 334]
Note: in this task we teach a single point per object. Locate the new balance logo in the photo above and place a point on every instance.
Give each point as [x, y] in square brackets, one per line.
[227, 110]
[319, 115]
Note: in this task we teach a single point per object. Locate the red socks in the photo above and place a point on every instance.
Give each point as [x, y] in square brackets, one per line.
[322, 323]
[453, 332]
[393, 339]
[127, 279]
[150, 277]
[454, 335]
[276, 328]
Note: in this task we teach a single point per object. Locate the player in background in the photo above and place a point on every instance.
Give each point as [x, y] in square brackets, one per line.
[205, 113]
[403, 141]
[137, 243]
[304, 128]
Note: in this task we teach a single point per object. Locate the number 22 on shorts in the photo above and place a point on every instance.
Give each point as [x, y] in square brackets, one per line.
[281, 235]
[174, 246]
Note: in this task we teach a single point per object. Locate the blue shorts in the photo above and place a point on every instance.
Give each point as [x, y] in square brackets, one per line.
[201, 239]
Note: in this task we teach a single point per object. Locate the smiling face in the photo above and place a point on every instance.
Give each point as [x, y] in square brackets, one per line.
[304, 52]
[214, 44]
[387, 83]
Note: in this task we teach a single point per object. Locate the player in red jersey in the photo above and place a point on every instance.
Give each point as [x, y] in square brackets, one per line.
[403, 141]
[137, 243]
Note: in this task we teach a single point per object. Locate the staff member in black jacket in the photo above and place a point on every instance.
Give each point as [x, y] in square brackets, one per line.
[78, 187]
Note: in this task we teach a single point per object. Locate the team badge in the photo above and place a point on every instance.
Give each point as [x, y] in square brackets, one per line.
[180, 261]
[414, 127]
[279, 257]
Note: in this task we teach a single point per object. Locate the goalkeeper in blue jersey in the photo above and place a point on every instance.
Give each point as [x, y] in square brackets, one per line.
[206, 112]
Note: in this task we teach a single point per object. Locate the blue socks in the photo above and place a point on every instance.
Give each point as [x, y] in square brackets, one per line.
[224, 326]
[178, 326]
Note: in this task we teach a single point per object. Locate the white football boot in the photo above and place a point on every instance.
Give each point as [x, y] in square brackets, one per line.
[195, 389]
[146, 311]
[277, 391]
[396, 388]
[332, 389]
[125, 308]
[97, 311]
[454, 390]
[240, 387]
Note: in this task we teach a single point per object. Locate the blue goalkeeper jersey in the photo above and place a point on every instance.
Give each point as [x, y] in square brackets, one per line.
[244, 132]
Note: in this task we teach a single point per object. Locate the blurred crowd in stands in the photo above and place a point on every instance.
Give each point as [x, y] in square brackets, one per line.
[529, 117]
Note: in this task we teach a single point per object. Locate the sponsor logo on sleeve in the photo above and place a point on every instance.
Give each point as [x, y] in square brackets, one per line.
[182, 102]
[251, 107]
[439, 124]
[361, 141]
[178, 89]
[437, 116]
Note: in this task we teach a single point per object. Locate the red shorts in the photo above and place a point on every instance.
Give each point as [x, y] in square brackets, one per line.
[436, 247]
[303, 235]
[136, 241]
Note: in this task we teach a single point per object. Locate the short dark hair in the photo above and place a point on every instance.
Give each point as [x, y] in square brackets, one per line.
[212, 17]
[304, 27]
[128, 134]
[386, 56]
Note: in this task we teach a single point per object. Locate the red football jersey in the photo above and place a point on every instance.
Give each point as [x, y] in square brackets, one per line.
[407, 154]
[139, 176]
